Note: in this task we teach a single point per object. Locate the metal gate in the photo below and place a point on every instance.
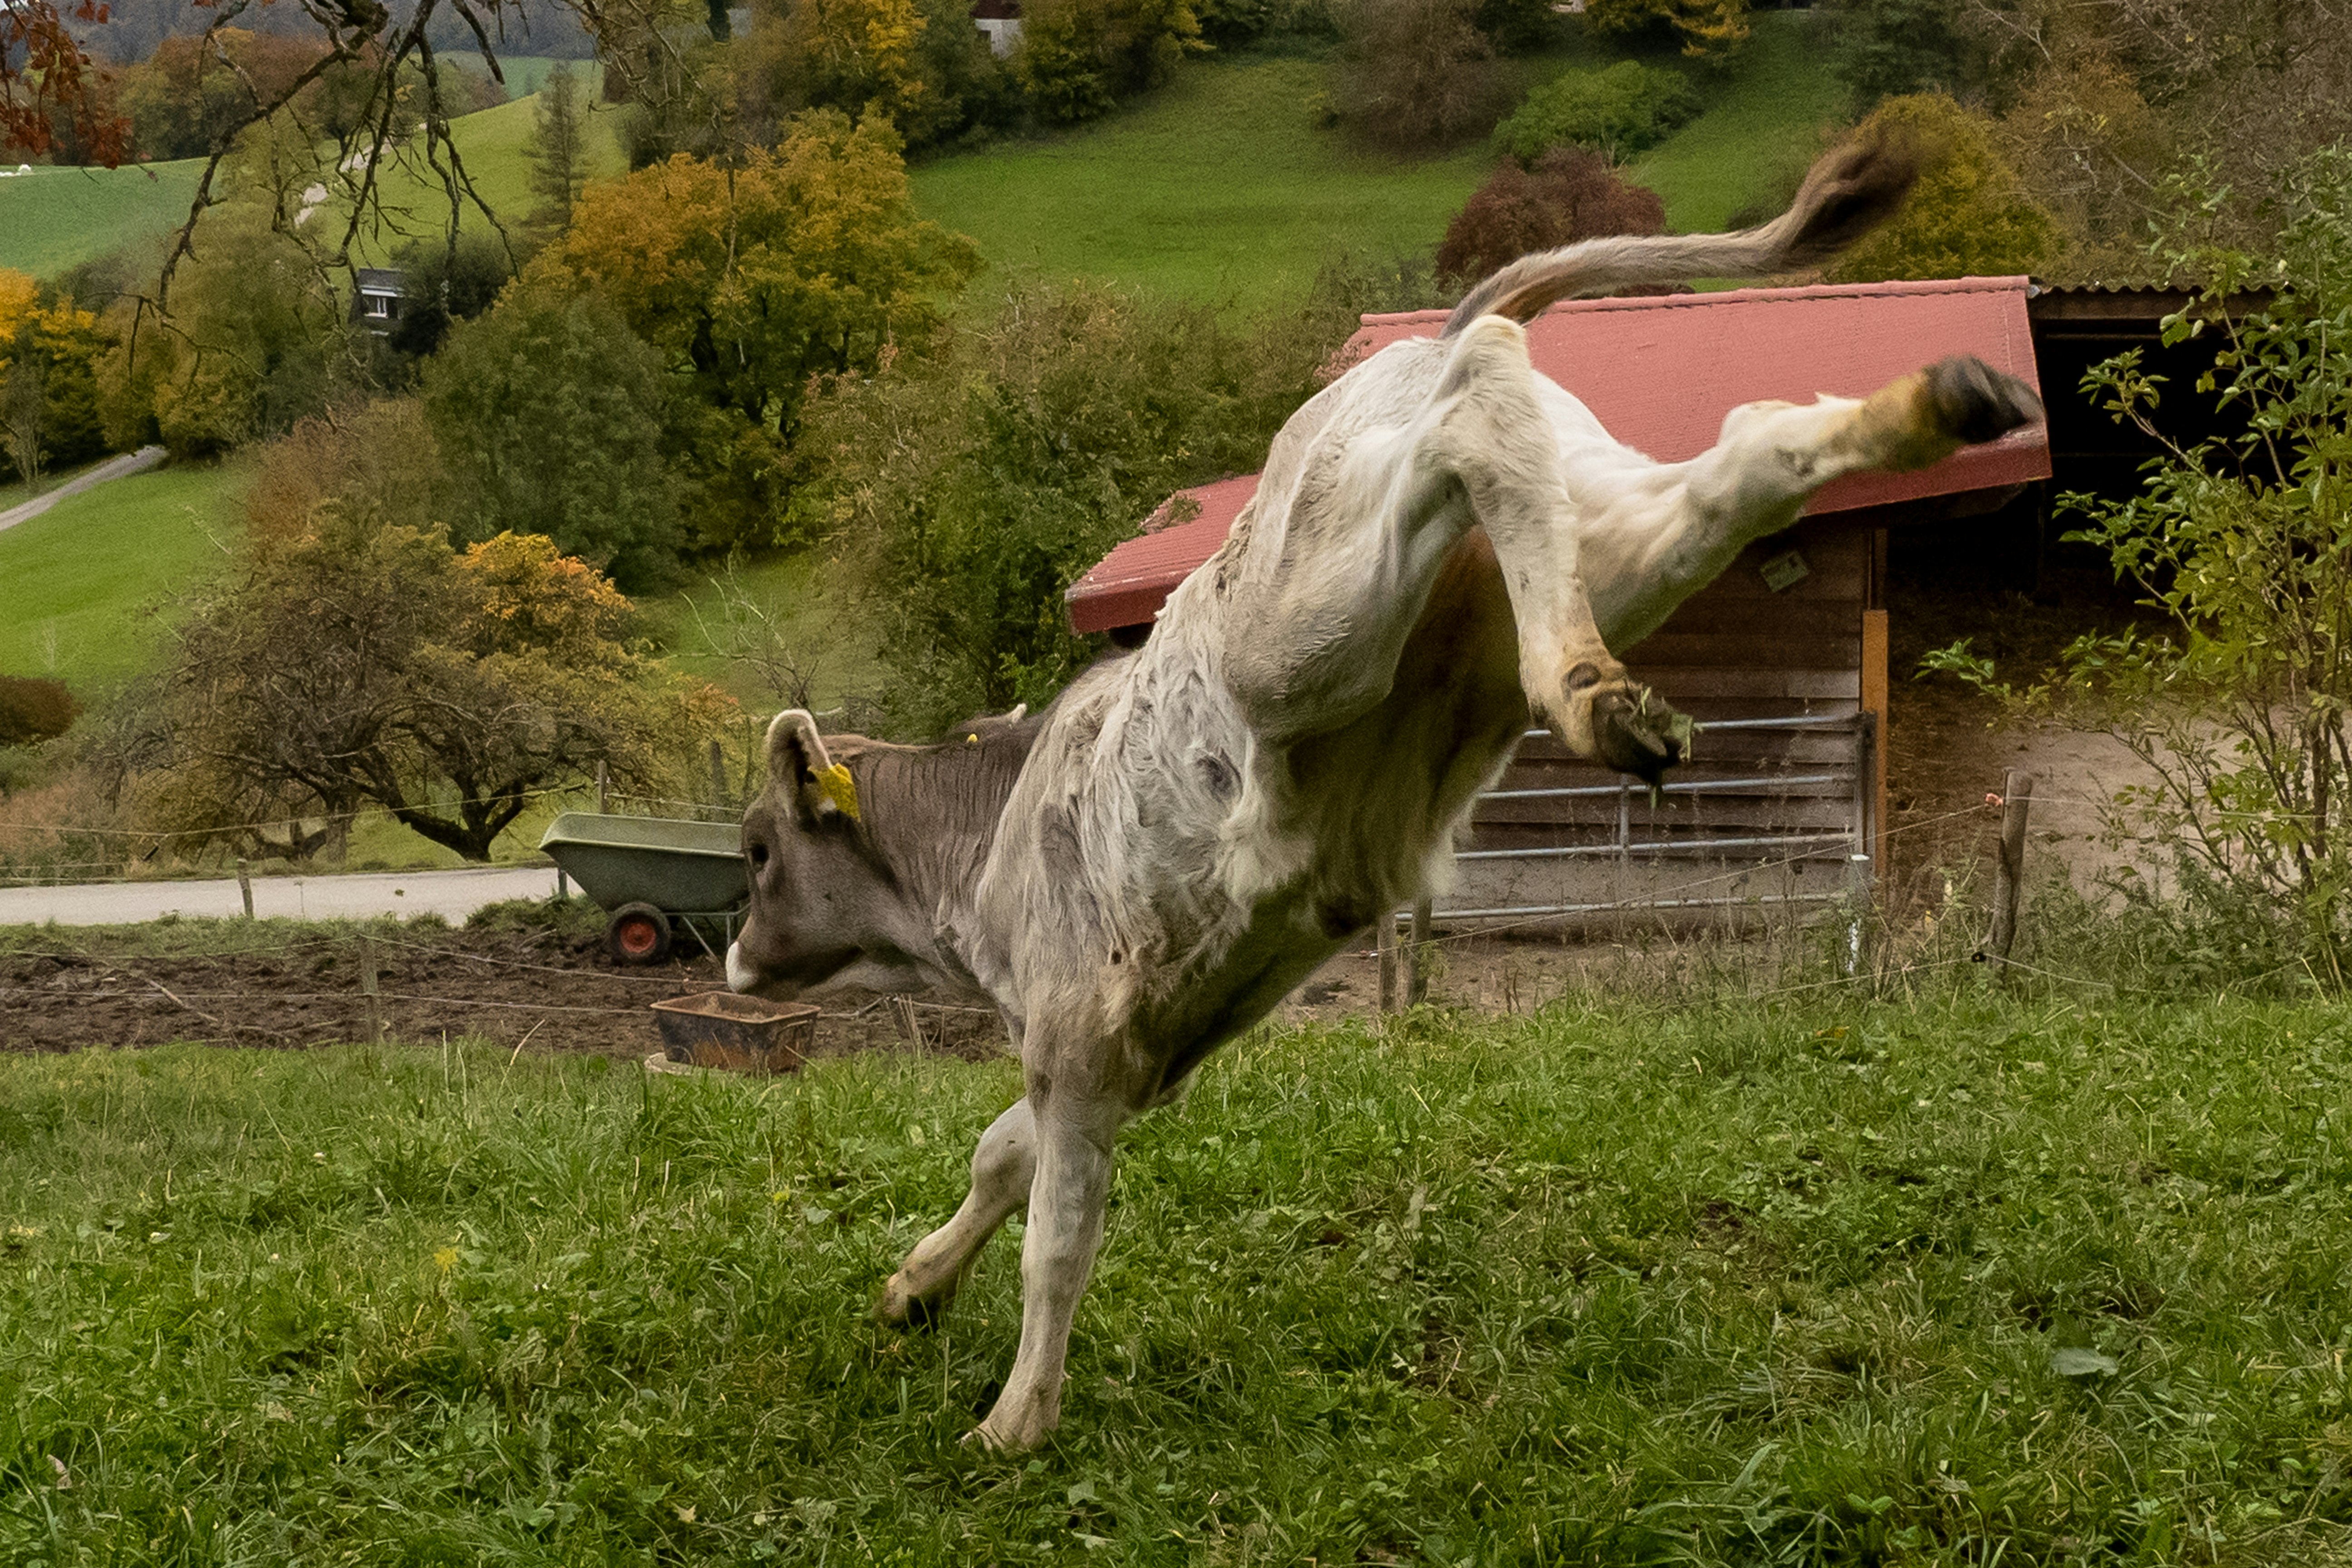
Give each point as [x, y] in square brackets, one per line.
[1766, 811]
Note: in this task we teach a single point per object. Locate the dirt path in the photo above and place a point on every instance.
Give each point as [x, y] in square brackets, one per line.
[453, 895]
[135, 462]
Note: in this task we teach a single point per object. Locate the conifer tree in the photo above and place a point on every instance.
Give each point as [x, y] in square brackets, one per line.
[557, 151]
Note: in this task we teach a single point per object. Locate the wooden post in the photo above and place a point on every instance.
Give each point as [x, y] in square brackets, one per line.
[604, 791]
[1416, 982]
[371, 1028]
[1384, 944]
[2009, 869]
[717, 776]
[244, 884]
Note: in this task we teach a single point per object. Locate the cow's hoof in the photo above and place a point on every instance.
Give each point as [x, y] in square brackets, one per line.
[901, 1307]
[1971, 402]
[1004, 1440]
[1636, 734]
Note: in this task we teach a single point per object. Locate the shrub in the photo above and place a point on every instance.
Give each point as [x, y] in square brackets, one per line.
[1626, 109]
[1572, 194]
[1967, 216]
[446, 281]
[1704, 28]
[34, 710]
[1415, 74]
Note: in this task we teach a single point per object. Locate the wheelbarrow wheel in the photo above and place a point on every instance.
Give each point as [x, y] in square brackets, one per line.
[637, 933]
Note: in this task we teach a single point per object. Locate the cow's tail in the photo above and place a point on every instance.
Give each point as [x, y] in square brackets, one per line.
[1848, 193]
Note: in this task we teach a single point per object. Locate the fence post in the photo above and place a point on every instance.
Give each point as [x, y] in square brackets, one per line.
[2009, 868]
[603, 792]
[1384, 945]
[717, 776]
[244, 884]
[373, 1025]
[1416, 980]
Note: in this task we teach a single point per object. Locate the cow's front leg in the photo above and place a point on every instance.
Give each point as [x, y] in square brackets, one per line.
[1003, 1168]
[1066, 1201]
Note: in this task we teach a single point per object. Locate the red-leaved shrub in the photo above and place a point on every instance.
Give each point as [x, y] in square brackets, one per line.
[1572, 194]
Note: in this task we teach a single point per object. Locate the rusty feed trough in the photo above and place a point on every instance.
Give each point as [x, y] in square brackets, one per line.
[742, 1034]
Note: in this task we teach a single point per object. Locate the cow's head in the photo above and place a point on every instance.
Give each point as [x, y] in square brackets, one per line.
[825, 908]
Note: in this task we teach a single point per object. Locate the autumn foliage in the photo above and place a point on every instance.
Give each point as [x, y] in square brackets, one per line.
[1572, 194]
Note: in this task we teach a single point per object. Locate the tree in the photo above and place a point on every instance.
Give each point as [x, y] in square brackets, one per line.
[1890, 49]
[1572, 194]
[1706, 28]
[1080, 59]
[557, 151]
[48, 388]
[443, 283]
[24, 395]
[360, 664]
[260, 340]
[1416, 75]
[968, 489]
[549, 415]
[1967, 215]
[753, 280]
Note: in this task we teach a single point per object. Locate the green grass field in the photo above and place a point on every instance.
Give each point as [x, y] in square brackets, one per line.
[491, 142]
[82, 575]
[1222, 187]
[1966, 1280]
[51, 219]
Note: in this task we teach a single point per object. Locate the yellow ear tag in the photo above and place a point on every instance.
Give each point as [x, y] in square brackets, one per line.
[840, 789]
[971, 739]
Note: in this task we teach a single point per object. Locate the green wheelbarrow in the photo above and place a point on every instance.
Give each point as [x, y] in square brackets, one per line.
[656, 876]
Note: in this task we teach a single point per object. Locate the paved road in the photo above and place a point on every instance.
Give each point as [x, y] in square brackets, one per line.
[451, 894]
[113, 469]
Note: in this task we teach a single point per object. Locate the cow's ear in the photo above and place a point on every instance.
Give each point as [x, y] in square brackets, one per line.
[820, 788]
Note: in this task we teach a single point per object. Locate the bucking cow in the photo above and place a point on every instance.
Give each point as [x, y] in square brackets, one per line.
[1445, 544]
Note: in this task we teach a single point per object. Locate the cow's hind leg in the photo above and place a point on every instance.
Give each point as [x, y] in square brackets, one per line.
[1003, 1168]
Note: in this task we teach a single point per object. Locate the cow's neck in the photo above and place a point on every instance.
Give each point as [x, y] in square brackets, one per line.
[931, 813]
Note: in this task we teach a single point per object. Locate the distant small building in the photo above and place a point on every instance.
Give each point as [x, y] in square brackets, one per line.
[1001, 20]
[376, 296]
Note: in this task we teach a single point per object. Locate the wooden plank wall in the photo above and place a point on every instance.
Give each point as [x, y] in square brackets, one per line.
[1736, 651]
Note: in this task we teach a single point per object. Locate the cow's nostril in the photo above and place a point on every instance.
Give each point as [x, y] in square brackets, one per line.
[759, 855]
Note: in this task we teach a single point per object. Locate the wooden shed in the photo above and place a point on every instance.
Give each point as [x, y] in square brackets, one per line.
[1783, 660]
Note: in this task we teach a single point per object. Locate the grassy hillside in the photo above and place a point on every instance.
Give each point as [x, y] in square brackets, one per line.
[491, 142]
[1223, 186]
[79, 574]
[1218, 187]
[53, 218]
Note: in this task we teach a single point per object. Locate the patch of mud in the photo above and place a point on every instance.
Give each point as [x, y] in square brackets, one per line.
[536, 990]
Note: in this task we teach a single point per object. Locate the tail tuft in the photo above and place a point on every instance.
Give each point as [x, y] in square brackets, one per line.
[1851, 190]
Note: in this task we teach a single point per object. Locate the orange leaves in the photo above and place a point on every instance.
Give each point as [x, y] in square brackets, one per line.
[50, 91]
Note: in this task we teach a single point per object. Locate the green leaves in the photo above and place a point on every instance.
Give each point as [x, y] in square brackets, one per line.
[2077, 1362]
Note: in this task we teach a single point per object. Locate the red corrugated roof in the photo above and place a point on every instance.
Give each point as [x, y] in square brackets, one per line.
[1660, 373]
